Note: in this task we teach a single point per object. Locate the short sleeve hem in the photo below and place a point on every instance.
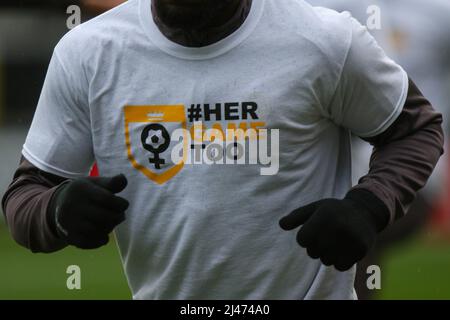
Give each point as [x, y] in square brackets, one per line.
[395, 113]
[42, 165]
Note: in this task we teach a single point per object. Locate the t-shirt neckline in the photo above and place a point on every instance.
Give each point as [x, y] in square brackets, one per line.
[207, 52]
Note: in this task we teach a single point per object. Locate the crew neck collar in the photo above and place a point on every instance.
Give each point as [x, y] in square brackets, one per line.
[201, 53]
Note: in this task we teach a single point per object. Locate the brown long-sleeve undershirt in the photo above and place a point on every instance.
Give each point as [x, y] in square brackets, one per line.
[25, 206]
[404, 156]
[402, 160]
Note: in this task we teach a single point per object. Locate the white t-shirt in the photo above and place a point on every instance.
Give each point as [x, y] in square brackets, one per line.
[211, 231]
[416, 34]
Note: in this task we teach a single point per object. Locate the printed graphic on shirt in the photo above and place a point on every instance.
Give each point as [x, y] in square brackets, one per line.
[147, 139]
[162, 139]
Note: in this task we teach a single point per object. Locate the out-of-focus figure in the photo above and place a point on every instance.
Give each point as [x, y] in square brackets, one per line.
[92, 6]
[100, 6]
[416, 34]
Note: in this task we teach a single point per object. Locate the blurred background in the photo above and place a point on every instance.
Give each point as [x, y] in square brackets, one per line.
[414, 258]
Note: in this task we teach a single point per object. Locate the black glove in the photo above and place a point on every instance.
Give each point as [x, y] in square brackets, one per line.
[339, 232]
[84, 211]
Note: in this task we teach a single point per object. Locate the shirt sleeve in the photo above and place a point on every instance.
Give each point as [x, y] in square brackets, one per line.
[59, 140]
[371, 90]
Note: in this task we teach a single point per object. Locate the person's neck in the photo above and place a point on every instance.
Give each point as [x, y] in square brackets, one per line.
[223, 24]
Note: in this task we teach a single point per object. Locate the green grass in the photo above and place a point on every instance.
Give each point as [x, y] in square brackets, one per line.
[419, 269]
[415, 270]
[24, 275]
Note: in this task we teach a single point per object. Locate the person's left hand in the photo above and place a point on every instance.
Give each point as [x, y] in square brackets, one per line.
[338, 232]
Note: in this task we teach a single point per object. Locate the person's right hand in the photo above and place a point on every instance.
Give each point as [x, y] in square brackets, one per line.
[86, 210]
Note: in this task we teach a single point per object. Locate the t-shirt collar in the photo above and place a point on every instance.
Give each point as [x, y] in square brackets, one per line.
[201, 53]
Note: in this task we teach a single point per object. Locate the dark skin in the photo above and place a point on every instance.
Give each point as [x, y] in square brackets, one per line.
[198, 23]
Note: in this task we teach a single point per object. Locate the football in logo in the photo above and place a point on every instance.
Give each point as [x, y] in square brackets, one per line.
[156, 139]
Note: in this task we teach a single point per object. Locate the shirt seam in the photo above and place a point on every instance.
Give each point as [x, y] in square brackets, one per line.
[394, 114]
[43, 165]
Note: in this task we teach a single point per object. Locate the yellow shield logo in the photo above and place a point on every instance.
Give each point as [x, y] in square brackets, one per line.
[148, 140]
